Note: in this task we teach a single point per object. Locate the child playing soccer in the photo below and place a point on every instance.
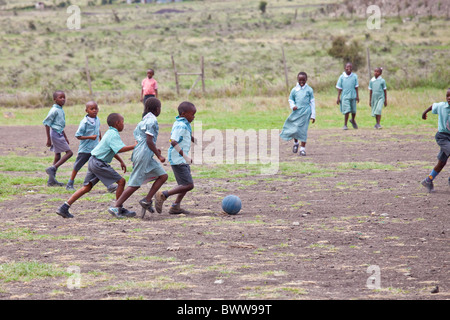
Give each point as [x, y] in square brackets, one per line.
[145, 168]
[347, 85]
[54, 123]
[99, 168]
[442, 109]
[302, 103]
[180, 144]
[378, 95]
[89, 134]
[149, 86]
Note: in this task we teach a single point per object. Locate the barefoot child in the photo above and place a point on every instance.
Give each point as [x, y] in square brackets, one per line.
[99, 168]
[54, 123]
[180, 144]
[347, 85]
[302, 103]
[89, 135]
[442, 109]
[378, 95]
[145, 168]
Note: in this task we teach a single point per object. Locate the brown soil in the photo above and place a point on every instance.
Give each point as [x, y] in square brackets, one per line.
[298, 236]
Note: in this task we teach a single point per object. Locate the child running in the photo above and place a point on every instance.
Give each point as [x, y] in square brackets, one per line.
[99, 168]
[302, 103]
[54, 123]
[378, 95]
[347, 85]
[180, 144]
[442, 109]
[145, 168]
[89, 135]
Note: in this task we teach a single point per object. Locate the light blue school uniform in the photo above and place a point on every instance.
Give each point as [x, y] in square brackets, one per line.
[181, 133]
[296, 125]
[56, 119]
[348, 84]
[87, 128]
[109, 146]
[377, 86]
[442, 109]
[145, 167]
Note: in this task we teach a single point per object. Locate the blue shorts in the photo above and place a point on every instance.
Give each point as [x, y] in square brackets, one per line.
[59, 142]
[182, 174]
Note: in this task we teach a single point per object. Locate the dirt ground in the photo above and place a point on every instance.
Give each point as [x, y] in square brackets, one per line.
[298, 235]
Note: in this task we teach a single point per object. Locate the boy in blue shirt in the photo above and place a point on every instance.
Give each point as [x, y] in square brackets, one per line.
[178, 153]
[54, 123]
[145, 168]
[347, 85]
[89, 135]
[99, 168]
[442, 109]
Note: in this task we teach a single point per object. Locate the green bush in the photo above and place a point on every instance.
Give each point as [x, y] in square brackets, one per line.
[351, 52]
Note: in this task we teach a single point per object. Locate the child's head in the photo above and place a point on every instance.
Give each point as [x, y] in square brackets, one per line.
[92, 109]
[301, 78]
[348, 68]
[150, 73]
[377, 72]
[152, 105]
[59, 97]
[187, 110]
[116, 120]
[448, 95]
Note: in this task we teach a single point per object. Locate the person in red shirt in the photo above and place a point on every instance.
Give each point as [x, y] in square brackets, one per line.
[149, 86]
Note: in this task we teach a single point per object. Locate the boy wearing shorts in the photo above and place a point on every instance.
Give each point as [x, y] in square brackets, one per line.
[99, 168]
[442, 109]
[54, 123]
[180, 144]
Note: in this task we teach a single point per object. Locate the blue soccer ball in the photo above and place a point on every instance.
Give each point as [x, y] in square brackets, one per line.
[231, 204]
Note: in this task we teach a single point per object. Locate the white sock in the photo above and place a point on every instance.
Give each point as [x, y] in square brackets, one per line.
[302, 149]
[296, 143]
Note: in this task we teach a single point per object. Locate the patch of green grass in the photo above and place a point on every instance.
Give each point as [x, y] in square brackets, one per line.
[27, 271]
[30, 235]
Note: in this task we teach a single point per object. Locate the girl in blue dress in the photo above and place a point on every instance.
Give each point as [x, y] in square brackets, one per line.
[302, 103]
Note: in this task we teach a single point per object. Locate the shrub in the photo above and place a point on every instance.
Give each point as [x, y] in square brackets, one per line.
[351, 52]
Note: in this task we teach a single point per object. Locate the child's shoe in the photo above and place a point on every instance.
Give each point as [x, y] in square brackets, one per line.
[54, 183]
[355, 126]
[295, 148]
[429, 185]
[115, 211]
[159, 200]
[302, 153]
[63, 211]
[127, 213]
[176, 209]
[69, 186]
[344, 128]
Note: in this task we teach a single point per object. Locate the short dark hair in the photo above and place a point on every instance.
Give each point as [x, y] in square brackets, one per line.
[185, 106]
[302, 73]
[113, 118]
[56, 93]
[151, 105]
